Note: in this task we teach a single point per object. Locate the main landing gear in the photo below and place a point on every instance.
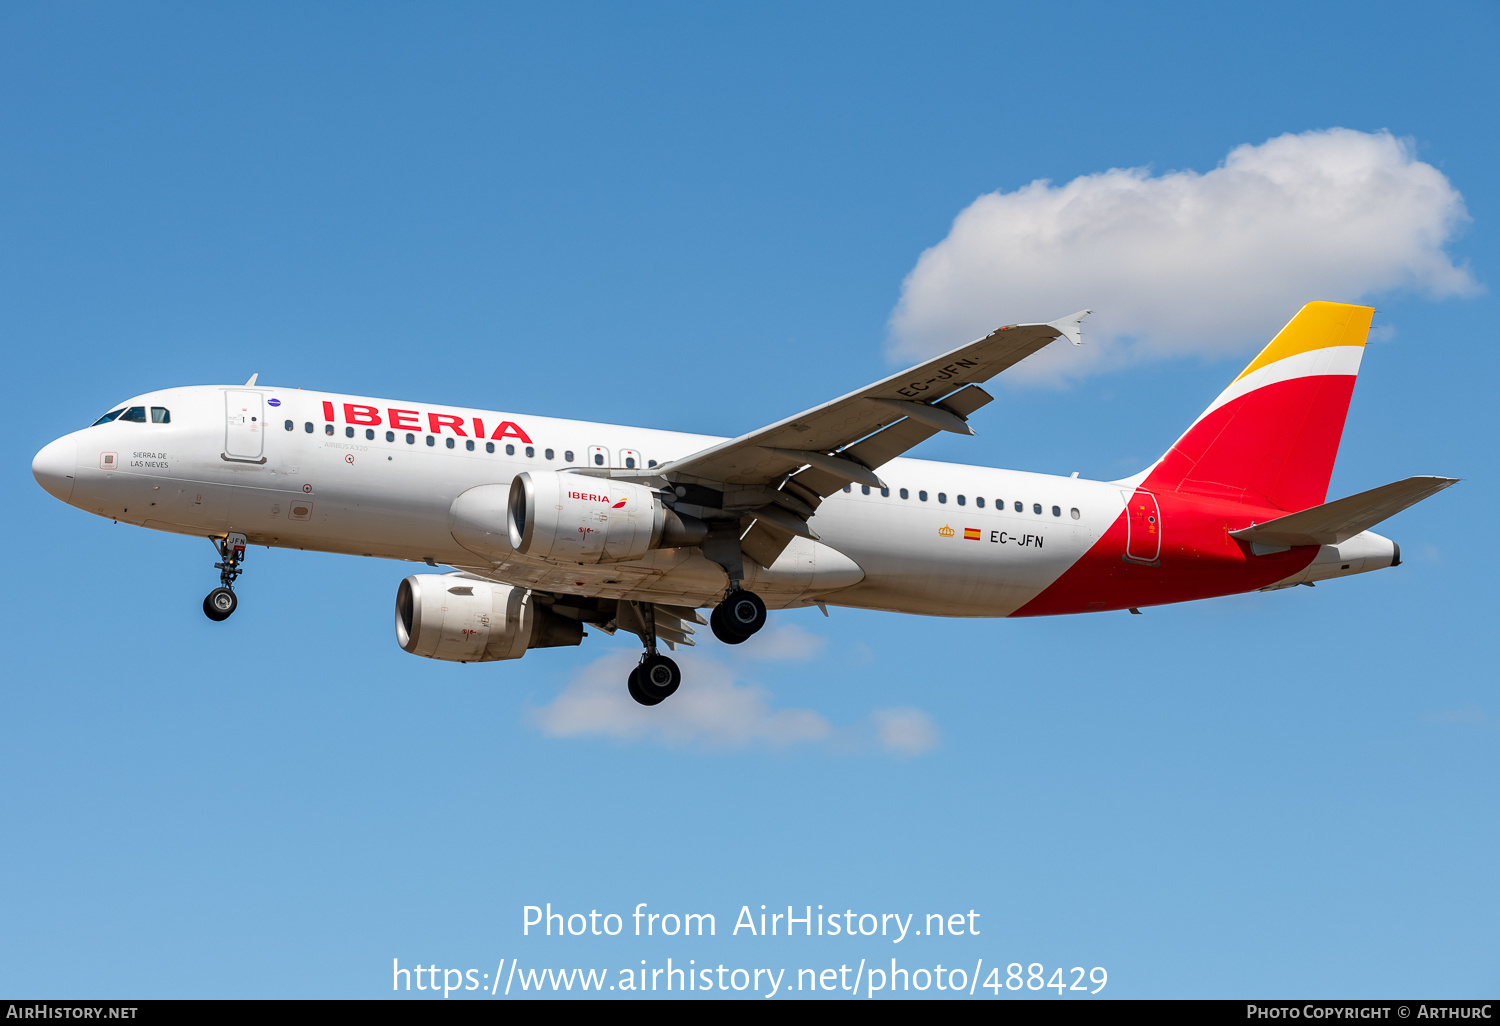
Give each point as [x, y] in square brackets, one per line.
[740, 615]
[654, 680]
[220, 602]
[656, 677]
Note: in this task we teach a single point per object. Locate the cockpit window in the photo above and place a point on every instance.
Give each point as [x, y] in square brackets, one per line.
[111, 415]
[136, 415]
[161, 415]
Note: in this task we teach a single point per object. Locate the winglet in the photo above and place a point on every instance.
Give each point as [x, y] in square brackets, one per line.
[1071, 326]
[252, 379]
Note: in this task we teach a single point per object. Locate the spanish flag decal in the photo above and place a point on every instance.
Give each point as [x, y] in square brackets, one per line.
[971, 534]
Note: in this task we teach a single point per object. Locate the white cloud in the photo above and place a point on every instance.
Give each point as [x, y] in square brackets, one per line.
[712, 710]
[782, 640]
[905, 731]
[1185, 263]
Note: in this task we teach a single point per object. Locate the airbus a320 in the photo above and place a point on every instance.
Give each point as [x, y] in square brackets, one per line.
[550, 526]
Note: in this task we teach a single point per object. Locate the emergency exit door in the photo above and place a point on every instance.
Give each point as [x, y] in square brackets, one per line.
[245, 424]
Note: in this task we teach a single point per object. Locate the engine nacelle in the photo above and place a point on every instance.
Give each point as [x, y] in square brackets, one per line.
[467, 621]
[571, 518]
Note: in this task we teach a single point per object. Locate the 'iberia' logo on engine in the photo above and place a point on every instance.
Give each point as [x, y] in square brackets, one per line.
[591, 497]
[618, 505]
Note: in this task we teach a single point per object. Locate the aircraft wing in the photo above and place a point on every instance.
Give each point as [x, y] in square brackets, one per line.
[1342, 519]
[779, 474]
[928, 394]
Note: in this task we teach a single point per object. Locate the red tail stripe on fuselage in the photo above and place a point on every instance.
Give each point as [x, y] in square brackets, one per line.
[1198, 560]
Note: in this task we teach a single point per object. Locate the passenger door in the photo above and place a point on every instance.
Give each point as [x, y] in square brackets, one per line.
[1142, 528]
[244, 425]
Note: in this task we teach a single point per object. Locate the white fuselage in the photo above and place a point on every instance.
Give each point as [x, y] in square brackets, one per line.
[955, 545]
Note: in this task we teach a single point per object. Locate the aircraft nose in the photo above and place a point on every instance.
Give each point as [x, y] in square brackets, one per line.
[56, 465]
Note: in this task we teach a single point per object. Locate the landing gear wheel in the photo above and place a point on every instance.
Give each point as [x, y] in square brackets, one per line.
[657, 678]
[722, 630]
[219, 603]
[634, 684]
[737, 617]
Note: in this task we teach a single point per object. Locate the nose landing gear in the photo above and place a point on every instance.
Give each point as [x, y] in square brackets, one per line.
[220, 602]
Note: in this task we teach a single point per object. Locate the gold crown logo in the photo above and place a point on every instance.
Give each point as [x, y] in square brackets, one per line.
[945, 531]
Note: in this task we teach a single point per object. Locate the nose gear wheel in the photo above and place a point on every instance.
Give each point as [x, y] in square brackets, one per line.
[219, 603]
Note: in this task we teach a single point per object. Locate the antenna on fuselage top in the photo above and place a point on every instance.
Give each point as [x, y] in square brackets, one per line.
[252, 379]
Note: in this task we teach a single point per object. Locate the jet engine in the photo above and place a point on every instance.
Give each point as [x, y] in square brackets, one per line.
[443, 616]
[571, 518]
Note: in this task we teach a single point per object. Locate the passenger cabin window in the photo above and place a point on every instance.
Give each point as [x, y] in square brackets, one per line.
[448, 442]
[411, 439]
[161, 415]
[369, 434]
[136, 415]
[111, 415]
[568, 456]
[905, 494]
[922, 495]
[979, 501]
[390, 436]
[469, 445]
[942, 496]
[348, 432]
[510, 450]
[598, 458]
[886, 492]
[290, 425]
[1036, 507]
[1057, 511]
[1073, 512]
[549, 454]
[1020, 508]
[960, 500]
[489, 446]
[328, 429]
[431, 441]
[530, 452]
[848, 488]
[864, 489]
[307, 427]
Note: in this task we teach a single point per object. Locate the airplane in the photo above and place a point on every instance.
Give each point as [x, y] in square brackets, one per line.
[553, 525]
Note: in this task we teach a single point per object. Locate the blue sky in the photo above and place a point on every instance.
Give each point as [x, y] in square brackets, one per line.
[701, 218]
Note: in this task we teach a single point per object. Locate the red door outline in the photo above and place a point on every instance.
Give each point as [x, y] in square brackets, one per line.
[1142, 528]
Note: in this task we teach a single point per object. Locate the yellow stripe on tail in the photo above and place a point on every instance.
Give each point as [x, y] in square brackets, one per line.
[1317, 326]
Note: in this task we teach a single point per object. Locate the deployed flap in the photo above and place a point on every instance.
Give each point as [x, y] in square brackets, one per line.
[1337, 521]
[767, 454]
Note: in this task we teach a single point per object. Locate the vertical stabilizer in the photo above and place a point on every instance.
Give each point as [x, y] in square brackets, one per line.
[1272, 435]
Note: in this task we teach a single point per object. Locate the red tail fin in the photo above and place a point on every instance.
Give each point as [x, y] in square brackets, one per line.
[1272, 436]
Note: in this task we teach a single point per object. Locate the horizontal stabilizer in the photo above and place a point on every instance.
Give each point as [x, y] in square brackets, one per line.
[1340, 520]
